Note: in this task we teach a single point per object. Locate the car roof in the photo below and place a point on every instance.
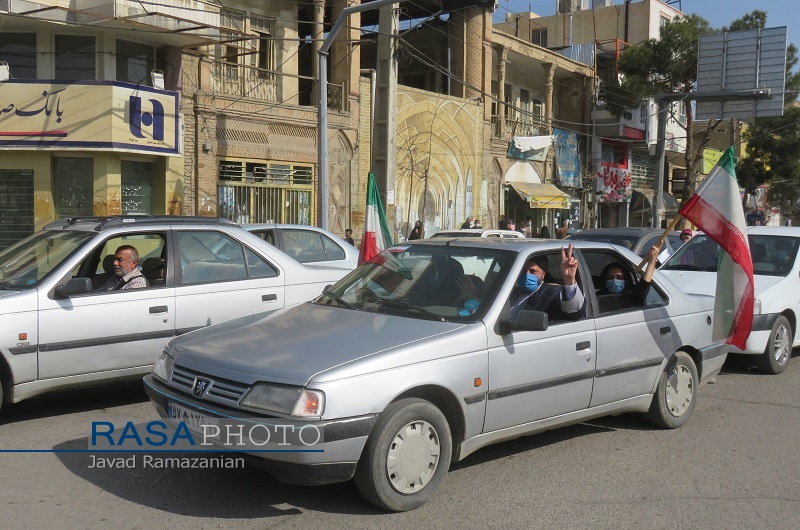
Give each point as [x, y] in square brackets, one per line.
[791, 231]
[455, 232]
[99, 224]
[518, 245]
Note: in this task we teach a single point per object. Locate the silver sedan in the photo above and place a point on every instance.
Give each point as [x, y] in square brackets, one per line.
[437, 348]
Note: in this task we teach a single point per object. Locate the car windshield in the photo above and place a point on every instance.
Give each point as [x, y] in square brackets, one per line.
[424, 282]
[772, 255]
[25, 264]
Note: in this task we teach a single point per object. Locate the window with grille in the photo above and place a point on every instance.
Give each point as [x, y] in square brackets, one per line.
[137, 187]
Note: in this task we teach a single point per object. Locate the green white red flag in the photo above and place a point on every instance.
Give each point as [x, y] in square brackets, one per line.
[716, 208]
[376, 231]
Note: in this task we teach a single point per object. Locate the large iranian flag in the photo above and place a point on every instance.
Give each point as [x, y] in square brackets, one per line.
[376, 230]
[716, 208]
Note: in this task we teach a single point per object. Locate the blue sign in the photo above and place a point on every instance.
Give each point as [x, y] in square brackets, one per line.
[568, 162]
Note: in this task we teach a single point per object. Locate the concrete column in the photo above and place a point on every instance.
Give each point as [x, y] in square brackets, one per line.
[318, 35]
[550, 72]
[385, 127]
[501, 92]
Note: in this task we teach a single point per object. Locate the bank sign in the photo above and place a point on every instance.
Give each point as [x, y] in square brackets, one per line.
[89, 115]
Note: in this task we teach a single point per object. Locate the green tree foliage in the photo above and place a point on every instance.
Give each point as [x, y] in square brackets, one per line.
[667, 65]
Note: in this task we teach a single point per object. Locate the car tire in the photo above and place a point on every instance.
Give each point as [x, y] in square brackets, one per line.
[776, 356]
[406, 457]
[676, 393]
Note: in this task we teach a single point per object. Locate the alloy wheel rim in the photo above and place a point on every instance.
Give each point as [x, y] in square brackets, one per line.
[780, 346]
[413, 457]
[680, 390]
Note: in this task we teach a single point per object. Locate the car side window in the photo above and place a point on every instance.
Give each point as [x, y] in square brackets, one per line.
[258, 267]
[208, 256]
[266, 235]
[303, 245]
[150, 246]
[618, 287]
[332, 250]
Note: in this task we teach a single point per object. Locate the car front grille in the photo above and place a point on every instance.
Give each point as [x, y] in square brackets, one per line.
[224, 390]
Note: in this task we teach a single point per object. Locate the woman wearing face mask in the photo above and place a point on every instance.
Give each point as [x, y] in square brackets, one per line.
[618, 292]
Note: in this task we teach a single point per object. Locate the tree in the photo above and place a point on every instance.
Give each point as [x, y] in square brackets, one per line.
[668, 65]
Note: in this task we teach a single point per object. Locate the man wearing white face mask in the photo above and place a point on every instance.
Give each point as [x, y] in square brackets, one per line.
[559, 302]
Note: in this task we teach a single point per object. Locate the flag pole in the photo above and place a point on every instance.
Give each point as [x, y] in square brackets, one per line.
[670, 227]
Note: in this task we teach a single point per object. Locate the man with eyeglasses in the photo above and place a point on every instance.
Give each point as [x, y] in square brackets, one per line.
[126, 275]
[559, 302]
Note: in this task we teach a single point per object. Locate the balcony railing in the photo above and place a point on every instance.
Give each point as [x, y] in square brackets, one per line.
[258, 83]
[516, 127]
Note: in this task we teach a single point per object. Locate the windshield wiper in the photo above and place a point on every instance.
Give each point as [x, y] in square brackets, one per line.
[405, 304]
[338, 299]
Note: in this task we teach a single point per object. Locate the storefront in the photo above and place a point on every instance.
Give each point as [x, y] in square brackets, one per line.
[86, 148]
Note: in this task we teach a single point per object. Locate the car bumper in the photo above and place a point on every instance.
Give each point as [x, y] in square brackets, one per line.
[759, 335]
[334, 461]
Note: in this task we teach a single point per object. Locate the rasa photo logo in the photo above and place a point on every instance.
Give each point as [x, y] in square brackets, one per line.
[149, 443]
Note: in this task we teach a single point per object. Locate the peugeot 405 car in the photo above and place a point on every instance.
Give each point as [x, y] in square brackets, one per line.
[308, 244]
[60, 327]
[415, 360]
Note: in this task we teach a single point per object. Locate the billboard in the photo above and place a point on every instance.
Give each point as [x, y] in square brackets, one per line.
[89, 115]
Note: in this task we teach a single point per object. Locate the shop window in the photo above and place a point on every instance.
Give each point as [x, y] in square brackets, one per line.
[19, 51]
[614, 153]
[74, 186]
[16, 206]
[137, 187]
[75, 57]
[134, 62]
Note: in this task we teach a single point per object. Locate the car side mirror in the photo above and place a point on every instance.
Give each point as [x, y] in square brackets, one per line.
[74, 286]
[525, 321]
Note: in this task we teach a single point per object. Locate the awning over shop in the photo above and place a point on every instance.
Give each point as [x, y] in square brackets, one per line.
[542, 195]
[642, 203]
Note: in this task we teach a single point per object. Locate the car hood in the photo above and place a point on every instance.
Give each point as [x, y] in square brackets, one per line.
[294, 344]
[700, 282]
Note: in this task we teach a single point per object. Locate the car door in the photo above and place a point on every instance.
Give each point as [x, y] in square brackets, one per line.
[219, 279]
[632, 340]
[105, 330]
[540, 374]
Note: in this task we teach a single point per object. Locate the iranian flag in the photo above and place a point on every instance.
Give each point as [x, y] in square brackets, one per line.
[716, 208]
[376, 230]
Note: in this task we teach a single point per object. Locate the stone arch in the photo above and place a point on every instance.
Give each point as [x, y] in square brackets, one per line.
[340, 153]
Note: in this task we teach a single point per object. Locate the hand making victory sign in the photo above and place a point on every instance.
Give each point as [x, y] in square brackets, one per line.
[569, 266]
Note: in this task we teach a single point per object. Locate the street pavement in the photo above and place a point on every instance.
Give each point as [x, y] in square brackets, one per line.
[736, 464]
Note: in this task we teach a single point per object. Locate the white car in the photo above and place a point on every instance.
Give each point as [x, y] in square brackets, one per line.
[478, 232]
[777, 288]
[58, 331]
[308, 244]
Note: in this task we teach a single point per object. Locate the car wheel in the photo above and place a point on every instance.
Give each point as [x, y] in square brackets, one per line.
[406, 457]
[676, 393]
[779, 347]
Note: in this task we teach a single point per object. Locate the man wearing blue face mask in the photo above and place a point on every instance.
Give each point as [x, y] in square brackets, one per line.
[559, 302]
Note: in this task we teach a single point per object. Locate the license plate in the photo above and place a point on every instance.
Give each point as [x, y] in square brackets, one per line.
[193, 419]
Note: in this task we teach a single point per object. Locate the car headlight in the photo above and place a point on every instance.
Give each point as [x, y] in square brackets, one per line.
[285, 399]
[163, 366]
[756, 306]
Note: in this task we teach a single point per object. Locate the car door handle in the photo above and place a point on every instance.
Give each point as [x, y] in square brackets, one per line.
[666, 330]
[583, 345]
[158, 309]
[269, 297]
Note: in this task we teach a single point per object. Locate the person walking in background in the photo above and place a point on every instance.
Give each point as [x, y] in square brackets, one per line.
[544, 233]
[562, 232]
[527, 228]
[502, 225]
[416, 232]
[468, 223]
[348, 236]
[511, 225]
[477, 224]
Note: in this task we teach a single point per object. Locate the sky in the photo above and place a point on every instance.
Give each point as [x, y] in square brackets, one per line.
[718, 12]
